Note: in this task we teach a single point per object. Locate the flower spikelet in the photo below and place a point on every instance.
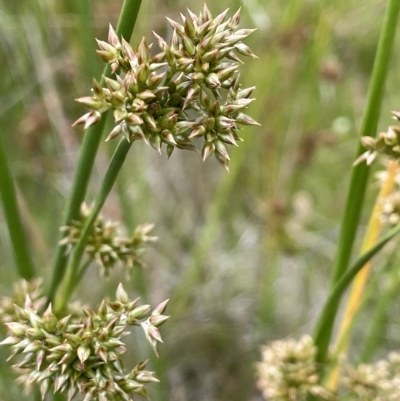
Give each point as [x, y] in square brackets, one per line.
[83, 354]
[386, 144]
[197, 94]
[22, 288]
[104, 244]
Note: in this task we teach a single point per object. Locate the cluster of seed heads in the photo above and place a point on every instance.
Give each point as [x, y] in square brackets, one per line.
[104, 245]
[191, 89]
[82, 354]
[374, 382]
[288, 372]
[386, 144]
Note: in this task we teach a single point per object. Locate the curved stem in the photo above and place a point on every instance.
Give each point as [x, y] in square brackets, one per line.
[109, 179]
[90, 145]
[14, 222]
[322, 333]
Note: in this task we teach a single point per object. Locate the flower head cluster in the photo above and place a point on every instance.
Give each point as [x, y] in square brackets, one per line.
[83, 354]
[386, 144]
[104, 244]
[22, 288]
[374, 382]
[288, 371]
[196, 94]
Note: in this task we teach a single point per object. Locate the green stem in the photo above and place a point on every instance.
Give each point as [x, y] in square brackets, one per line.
[71, 279]
[323, 329]
[14, 223]
[90, 145]
[360, 173]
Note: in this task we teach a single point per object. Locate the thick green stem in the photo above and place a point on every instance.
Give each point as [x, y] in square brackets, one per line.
[90, 145]
[323, 330]
[360, 173]
[14, 223]
[71, 279]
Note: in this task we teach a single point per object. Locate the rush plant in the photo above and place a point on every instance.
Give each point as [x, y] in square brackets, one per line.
[189, 90]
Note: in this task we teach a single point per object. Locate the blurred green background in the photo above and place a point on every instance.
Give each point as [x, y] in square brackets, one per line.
[244, 257]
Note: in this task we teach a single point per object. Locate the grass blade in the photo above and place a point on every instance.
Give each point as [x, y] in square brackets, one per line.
[13, 219]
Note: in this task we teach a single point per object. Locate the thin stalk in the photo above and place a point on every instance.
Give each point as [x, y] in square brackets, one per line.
[360, 281]
[359, 177]
[14, 222]
[322, 333]
[71, 279]
[90, 145]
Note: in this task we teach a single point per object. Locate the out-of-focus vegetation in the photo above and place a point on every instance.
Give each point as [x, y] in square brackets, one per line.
[245, 257]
